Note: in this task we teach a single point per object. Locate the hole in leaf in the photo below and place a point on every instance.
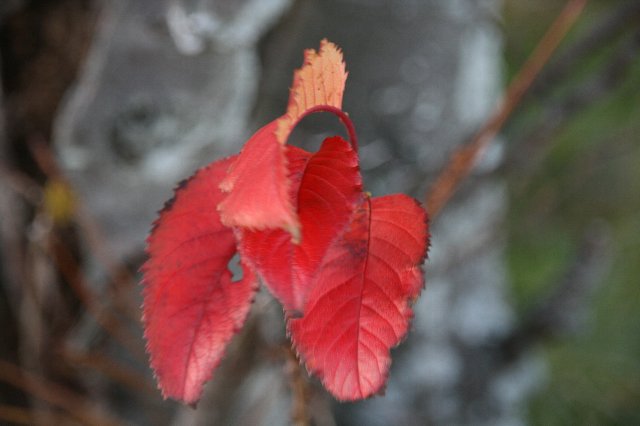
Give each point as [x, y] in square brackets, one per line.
[235, 268]
[314, 128]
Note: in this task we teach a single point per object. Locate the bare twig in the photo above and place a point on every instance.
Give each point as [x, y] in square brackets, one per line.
[463, 159]
[299, 388]
[601, 35]
[21, 184]
[68, 267]
[604, 81]
[75, 405]
[15, 415]
[119, 275]
[111, 369]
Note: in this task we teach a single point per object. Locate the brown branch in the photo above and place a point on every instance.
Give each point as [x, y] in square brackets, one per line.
[610, 77]
[299, 388]
[67, 265]
[121, 278]
[75, 405]
[111, 369]
[119, 275]
[15, 415]
[602, 35]
[462, 161]
[21, 184]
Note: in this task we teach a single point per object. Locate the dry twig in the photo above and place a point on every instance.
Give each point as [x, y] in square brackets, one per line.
[75, 405]
[462, 161]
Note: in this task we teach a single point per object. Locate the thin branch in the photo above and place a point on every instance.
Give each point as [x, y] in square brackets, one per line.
[21, 184]
[525, 159]
[15, 415]
[119, 275]
[58, 396]
[299, 388]
[601, 35]
[111, 369]
[462, 161]
[68, 267]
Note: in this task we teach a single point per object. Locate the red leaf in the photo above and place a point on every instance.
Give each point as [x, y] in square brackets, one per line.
[257, 183]
[349, 264]
[327, 189]
[258, 186]
[358, 307]
[191, 306]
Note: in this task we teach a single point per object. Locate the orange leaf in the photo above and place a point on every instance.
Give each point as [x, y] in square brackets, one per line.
[320, 82]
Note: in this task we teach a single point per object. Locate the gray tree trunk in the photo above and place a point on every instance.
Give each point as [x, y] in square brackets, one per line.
[168, 87]
[171, 85]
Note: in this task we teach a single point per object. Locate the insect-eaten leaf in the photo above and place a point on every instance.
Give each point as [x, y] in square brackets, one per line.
[191, 306]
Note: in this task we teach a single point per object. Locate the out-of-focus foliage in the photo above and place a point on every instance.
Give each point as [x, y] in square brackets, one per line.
[589, 172]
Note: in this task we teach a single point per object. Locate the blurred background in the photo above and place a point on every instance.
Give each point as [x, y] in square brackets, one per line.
[530, 312]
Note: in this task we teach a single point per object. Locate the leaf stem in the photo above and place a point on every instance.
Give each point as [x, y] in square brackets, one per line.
[344, 118]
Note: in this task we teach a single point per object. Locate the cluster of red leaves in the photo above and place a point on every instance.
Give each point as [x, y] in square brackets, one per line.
[345, 266]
